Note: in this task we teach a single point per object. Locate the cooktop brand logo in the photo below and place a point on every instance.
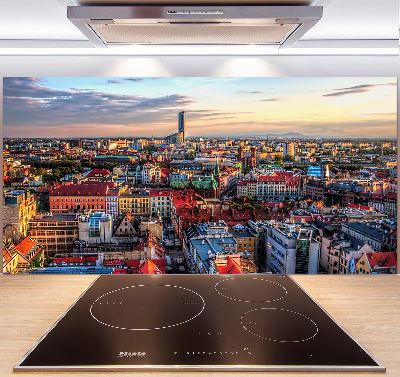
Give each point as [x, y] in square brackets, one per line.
[131, 354]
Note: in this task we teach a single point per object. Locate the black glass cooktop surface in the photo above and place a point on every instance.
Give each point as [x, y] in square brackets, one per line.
[196, 322]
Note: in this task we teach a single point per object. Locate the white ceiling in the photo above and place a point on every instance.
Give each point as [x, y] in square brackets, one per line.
[360, 21]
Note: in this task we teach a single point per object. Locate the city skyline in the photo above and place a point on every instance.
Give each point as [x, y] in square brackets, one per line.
[136, 107]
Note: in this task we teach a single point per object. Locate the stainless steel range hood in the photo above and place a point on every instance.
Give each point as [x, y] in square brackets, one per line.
[113, 26]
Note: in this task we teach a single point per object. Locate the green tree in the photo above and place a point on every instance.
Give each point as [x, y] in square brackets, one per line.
[37, 171]
[49, 178]
[288, 157]
[190, 156]
[248, 197]
[43, 204]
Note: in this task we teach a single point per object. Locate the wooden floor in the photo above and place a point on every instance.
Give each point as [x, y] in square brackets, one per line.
[368, 307]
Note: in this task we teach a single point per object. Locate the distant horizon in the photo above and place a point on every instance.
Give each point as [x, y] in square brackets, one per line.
[206, 137]
[87, 107]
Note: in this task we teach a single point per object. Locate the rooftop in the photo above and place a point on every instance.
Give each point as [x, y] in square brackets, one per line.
[369, 229]
[55, 217]
[240, 231]
[81, 190]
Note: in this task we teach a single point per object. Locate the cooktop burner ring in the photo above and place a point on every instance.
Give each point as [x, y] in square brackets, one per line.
[191, 292]
[280, 296]
[308, 323]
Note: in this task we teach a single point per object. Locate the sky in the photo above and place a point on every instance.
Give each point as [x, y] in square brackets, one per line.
[130, 107]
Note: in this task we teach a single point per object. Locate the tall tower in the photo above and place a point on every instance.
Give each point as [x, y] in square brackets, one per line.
[240, 154]
[181, 123]
[253, 157]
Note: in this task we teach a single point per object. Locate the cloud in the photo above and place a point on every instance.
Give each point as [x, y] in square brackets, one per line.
[28, 103]
[355, 89]
[134, 79]
[273, 99]
[252, 92]
[25, 87]
[114, 82]
[82, 90]
[391, 114]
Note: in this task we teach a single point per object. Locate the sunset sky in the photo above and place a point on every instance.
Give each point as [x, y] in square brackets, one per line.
[259, 106]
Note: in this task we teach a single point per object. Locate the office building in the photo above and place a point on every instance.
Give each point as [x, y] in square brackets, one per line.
[57, 233]
[291, 249]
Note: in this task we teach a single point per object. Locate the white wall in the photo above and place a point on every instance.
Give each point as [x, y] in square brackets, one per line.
[222, 66]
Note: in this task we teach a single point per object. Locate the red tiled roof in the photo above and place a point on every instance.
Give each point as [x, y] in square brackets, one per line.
[95, 172]
[232, 267]
[243, 183]
[268, 204]
[159, 193]
[7, 256]
[26, 246]
[119, 271]
[134, 263]
[81, 190]
[166, 171]
[114, 262]
[270, 178]
[149, 267]
[179, 200]
[284, 173]
[382, 259]
[293, 179]
[391, 195]
[289, 181]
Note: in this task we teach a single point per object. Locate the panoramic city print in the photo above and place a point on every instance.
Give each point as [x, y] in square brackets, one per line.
[200, 175]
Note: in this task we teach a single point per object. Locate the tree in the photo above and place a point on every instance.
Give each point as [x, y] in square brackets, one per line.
[245, 170]
[248, 197]
[43, 204]
[49, 178]
[288, 157]
[37, 171]
[190, 156]
[87, 164]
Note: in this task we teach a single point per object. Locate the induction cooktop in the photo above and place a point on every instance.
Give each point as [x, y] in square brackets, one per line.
[253, 322]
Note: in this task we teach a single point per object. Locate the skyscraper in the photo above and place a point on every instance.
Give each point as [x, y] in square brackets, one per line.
[178, 137]
[181, 119]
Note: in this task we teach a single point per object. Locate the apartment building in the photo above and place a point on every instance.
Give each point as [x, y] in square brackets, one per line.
[278, 187]
[373, 233]
[57, 233]
[160, 203]
[137, 202]
[71, 198]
